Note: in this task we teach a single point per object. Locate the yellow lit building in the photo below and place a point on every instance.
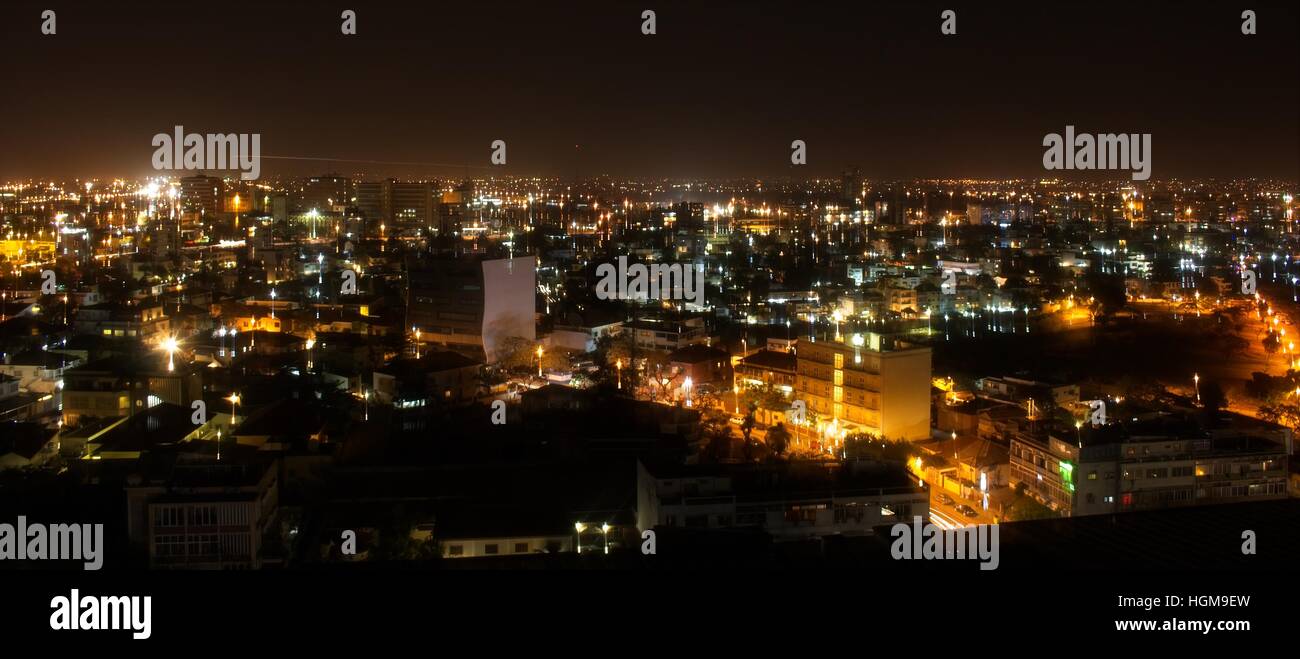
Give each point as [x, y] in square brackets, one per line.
[27, 251]
[866, 382]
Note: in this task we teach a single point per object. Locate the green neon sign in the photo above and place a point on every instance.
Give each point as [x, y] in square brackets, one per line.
[1067, 475]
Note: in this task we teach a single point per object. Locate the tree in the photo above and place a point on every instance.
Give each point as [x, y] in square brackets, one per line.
[715, 435]
[519, 354]
[1108, 293]
[516, 353]
[778, 439]
[1025, 507]
[767, 398]
[1281, 412]
[871, 446]
[1271, 344]
[746, 429]
[663, 383]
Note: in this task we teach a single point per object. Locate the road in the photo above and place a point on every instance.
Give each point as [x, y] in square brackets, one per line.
[946, 517]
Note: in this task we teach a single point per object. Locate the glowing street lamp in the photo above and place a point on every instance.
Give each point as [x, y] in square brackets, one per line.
[234, 400]
[579, 527]
[604, 528]
[169, 344]
[619, 365]
[1196, 378]
[539, 361]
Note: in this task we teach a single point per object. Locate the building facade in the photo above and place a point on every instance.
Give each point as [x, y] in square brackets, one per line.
[867, 382]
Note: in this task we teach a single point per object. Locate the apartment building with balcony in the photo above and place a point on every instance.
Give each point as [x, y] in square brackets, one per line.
[189, 510]
[144, 320]
[867, 382]
[789, 500]
[667, 335]
[1146, 465]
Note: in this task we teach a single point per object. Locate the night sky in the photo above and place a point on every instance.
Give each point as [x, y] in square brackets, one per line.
[575, 89]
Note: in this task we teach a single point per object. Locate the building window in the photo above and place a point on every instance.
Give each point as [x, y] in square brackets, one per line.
[456, 550]
[521, 547]
[490, 549]
[170, 516]
[203, 516]
[167, 546]
[849, 514]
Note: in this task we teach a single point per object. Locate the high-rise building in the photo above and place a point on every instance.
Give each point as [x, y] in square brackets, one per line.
[850, 186]
[866, 382]
[204, 194]
[373, 202]
[412, 204]
[451, 210]
[324, 193]
[398, 204]
[474, 305]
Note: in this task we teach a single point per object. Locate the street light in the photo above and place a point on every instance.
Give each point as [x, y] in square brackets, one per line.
[539, 361]
[1196, 378]
[169, 344]
[234, 400]
[604, 528]
[579, 527]
[619, 365]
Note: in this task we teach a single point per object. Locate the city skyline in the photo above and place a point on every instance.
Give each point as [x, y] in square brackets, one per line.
[988, 314]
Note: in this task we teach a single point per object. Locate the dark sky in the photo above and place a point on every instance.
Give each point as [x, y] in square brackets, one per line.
[720, 91]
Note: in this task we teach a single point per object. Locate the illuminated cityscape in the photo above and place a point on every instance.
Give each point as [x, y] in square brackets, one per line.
[842, 320]
[649, 291]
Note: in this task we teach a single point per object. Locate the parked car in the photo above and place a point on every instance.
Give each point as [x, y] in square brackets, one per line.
[967, 511]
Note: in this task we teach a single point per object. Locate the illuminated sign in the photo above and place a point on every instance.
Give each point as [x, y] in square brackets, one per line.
[1067, 475]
